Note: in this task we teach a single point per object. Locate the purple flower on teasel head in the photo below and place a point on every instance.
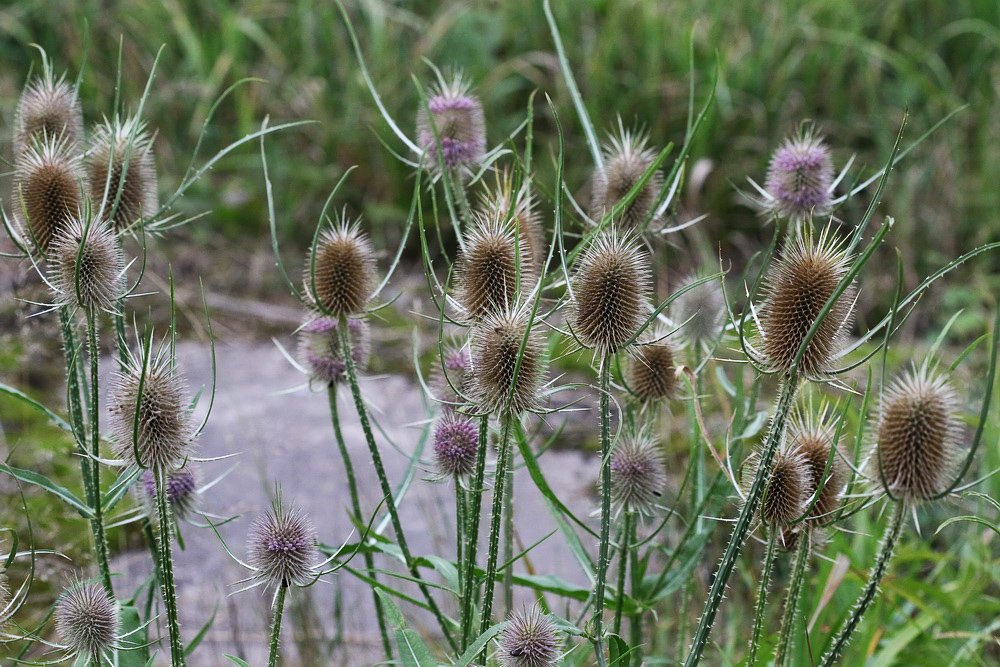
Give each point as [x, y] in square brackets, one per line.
[456, 442]
[182, 490]
[457, 115]
[800, 178]
[322, 352]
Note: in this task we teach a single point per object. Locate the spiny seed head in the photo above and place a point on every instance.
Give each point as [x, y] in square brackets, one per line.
[164, 431]
[627, 156]
[652, 370]
[487, 269]
[800, 177]
[182, 490]
[456, 441]
[450, 389]
[611, 289]
[917, 436]
[340, 273]
[529, 639]
[700, 312]
[4, 598]
[638, 474]
[87, 619]
[457, 114]
[786, 490]
[813, 437]
[47, 189]
[502, 202]
[496, 346]
[282, 547]
[48, 110]
[114, 143]
[88, 266]
[322, 352]
[796, 288]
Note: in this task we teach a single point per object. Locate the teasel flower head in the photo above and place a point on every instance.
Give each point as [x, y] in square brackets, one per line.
[917, 436]
[322, 352]
[282, 547]
[148, 410]
[498, 383]
[87, 620]
[451, 378]
[340, 271]
[610, 291]
[529, 639]
[456, 441]
[48, 177]
[49, 110]
[502, 202]
[700, 312]
[813, 436]
[638, 474]
[796, 288]
[652, 369]
[87, 266]
[787, 488]
[627, 156]
[800, 178]
[457, 115]
[121, 165]
[494, 264]
[182, 491]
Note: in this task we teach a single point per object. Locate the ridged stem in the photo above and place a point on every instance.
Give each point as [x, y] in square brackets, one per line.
[167, 588]
[460, 521]
[279, 607]
[503, 458]
[765, 579]
[743, 522]
[868, 595]
[625, 543]
[603, 552]
[472, 534]
[352, 487]
[73, 398]
[397, 526]
[508, 533]
[97, 523]
[635, 620]
[786, 640]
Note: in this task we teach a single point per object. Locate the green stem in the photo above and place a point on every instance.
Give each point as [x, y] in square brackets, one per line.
[508, 533]
[397, 526]
[892, 532]
[635, 620]
[97, 523]
[603, 555]
[472, 535]
[352, 487]
[786, 640]
[167, 569]
[626, 541]
[765, 579]
[459, 536]
[743, 522]
[503, 458]
[279, 607]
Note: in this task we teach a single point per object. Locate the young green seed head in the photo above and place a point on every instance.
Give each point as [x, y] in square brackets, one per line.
[800, 177]
[786, 490]
[87, 266]
[611, 289]
[282, 547]
[457, 115]
[638, 475]
[652, 370]
[796, 288]
[699, 312]
[321, 350]
[487, 269]
[87, 620]
[529, 639]
[47, 190]
[813, 437]
[917, 436]
[627, 156]
[340, 273]
[121, 166]
[49, 110]
[498, 383]
[502, 202]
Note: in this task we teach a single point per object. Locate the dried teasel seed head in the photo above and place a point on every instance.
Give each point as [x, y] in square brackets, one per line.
[49, 110]
[5, 599]
[155, 423]
[451, 379]
[502, 202]
[610, 289]
[47, 190]
[796, 288]
[87, 619]
[652, 369]
[800, 178]
[87, 266]
[340, 272]
[487, 269]
[282, 547]
[496, 376]
[322, 352]
[121, 166]
[456, 441]
[182, 491]
[638, 475]
[787, 488]
[529, 639]
[918, 430]
[627, 156]
[699, 312]
[457, 115]
[813, 437]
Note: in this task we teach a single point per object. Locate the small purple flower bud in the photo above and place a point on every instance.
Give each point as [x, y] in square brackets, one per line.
[458, 117]
[800, 178]
[182, 490]
[456, 442]
[529, 639]
[282, 547]
[322, 352]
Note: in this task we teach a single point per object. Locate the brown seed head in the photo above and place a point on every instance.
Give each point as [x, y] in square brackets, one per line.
[813, 437]
[114, 143]
[503, 203]
[87, 266]
[787, 492]
[496, 377]
[340, 274]
[627, 156]
[652, 370]
[49, 110]
[638, 475]
[47, 189]
[487, 270]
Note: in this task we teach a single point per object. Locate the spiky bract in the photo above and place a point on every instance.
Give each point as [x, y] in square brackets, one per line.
[652, 369]
[457, 115]
[156, 424]
[451, 380]
[498, 382]
[47, 190]
[282, 547]
[502, 202]
[322, 352]
[529, 639]
[799, 178]
[699, 312]
[813, 436]
[340, 273]
[121, 166]
[796, 288]
[627, 156]
[182, 491]
[611, 289]
[787, 489]
[638, 475]
[917, 436]
[5, 600]
[87, 266]
[48, 110]
[87, 619]
[488, 268]
[456, 441]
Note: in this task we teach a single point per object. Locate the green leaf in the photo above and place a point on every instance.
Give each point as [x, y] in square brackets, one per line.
[120, 488]
[235, 660]
[412, 650]
[44, 482]
[190, 648]
[973, 519]
[135, 652]
[619, 651]
[477, 646]
[24, 398]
